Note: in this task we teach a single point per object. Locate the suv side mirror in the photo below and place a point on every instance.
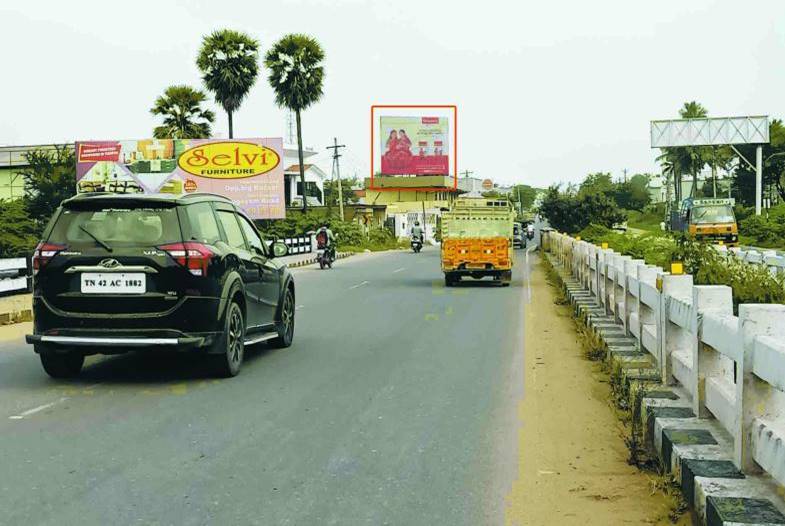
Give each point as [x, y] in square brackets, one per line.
[280, 249]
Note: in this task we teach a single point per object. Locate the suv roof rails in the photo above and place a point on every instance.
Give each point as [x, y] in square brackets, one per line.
[204, 194]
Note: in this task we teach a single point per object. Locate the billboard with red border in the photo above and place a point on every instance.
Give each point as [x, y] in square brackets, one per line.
[413, 147]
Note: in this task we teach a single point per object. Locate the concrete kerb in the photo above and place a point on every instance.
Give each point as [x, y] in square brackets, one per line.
[714, 491]
[312, 260]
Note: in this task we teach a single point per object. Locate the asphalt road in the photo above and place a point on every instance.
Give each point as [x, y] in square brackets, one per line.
[395, 405]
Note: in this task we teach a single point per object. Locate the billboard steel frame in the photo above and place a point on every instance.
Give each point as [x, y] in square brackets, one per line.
[717, 131]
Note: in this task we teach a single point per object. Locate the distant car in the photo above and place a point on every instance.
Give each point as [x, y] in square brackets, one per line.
[115, 273]
[620, 227]
[518, 239]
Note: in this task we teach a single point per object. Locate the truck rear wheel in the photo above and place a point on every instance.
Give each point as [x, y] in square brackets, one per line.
[450, 280]
[505, 278]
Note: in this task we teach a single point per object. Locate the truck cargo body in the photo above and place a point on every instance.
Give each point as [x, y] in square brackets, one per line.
[477, 240]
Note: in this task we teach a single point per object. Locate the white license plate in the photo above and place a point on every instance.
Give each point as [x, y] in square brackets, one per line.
[113, 283]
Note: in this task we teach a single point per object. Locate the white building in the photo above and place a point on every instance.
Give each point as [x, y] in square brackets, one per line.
[314, 177]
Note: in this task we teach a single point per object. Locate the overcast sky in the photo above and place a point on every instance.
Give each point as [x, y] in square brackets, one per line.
[547, 91]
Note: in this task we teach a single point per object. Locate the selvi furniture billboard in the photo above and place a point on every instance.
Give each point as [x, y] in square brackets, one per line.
[248, 171]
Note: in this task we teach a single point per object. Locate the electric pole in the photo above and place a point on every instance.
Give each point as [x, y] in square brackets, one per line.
[466, 173]
[337, 172]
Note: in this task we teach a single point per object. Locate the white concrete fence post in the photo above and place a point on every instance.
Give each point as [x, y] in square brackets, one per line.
[674, 338]
[631, 293]
[709, 302]
[755, 398]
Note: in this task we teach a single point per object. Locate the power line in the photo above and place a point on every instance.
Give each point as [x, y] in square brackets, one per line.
[337, 171]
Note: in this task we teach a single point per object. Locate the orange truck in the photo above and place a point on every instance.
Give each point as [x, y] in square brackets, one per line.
[710, 220]
[477, 236]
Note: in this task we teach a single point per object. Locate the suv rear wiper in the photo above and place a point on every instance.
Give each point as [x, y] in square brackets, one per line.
[102, 243]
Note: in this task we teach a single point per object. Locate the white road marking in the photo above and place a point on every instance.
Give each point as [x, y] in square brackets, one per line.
[527, 275]
[358, 285]
[38, 409]
[398, 270]
[299, 307]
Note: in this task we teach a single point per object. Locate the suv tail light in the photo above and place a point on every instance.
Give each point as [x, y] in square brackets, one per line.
[193, 256]
[44, 252]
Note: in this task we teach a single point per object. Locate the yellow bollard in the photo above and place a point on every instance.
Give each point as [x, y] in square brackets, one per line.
[604, 245]
[677, 268]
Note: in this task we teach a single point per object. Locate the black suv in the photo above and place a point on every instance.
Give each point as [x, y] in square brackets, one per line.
[115, 273]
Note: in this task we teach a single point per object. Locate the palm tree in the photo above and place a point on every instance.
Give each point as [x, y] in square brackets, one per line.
[296, 76]
[694, 157]
[228, 61]
[184, 117]
[686, 159]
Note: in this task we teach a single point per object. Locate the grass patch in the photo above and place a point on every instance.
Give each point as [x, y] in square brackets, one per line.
[649, 220]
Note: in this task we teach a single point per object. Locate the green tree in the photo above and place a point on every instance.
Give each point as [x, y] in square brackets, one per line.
[570, 212]
[597, 183]
[49, 178]
[524, 194]
[229, 62]
[773, 167]
[19, 233]
[296, 76]
[184, 117]
[347, 192]
[632, 194]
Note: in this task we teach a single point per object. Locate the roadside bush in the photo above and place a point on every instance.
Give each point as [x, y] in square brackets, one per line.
[18, 235]
[347, 233]
[765, 232]
[750, 283]
[571, 213]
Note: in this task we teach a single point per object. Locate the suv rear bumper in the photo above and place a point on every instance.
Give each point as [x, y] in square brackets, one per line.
[117, 342]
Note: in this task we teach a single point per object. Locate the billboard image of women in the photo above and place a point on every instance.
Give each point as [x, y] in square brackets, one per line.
[399, 134]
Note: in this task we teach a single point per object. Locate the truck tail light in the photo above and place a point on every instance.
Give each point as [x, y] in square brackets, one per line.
[193, 256]
[44, 253]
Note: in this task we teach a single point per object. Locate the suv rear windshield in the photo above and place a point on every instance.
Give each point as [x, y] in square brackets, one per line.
[117, 227]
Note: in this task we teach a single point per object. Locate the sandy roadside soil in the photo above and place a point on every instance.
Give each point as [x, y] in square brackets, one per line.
[15, 332]
[572, 465]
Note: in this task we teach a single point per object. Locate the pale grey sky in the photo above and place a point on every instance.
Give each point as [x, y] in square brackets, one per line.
[547, 91]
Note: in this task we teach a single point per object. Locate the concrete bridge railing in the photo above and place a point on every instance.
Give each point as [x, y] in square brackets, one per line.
[732, 367]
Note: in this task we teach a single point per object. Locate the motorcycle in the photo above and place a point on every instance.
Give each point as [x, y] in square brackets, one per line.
[416, 244]
[530, 233]
[325, 257]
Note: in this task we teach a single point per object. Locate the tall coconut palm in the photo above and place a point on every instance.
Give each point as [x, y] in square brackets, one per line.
[694, 157]
[296, 76]
[689, 159]
[184, 117]
[228, 61]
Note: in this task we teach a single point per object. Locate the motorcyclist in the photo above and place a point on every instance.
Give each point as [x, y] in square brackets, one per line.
[417, 232]
[326, 239]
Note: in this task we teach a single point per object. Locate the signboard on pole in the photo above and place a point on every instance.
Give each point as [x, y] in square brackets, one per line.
[247, 171]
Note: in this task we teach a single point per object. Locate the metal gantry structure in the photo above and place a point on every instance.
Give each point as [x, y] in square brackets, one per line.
[717, 131]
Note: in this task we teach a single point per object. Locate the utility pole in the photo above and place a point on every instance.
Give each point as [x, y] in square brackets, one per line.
[337, 172]
[466, 173]
[625, 175]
